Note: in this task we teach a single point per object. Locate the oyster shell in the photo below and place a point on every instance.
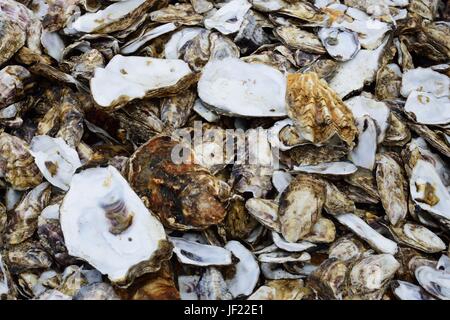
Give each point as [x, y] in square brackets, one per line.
[118, 16]
[296, 38]
[233, 87]
[418, 237]
[184, 197]
[228, 19]
[113, 204]
[433, 281]
[341, 44]
[23, 223]
[247, 271]
[300, 206]
[363, 155]
[365, 232]
[194, 253]
[361, 70]
[408, 291]
[428, 191]
[370, 276]
[20, 170]
[392, 188]
[280, 290]
[56, 160]
[318, 113]
[128, 75]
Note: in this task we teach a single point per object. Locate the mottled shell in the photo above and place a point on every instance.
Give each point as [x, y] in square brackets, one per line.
[300, 206]
[184, 195]
[392, 188]
[21, 171]
[329, 279]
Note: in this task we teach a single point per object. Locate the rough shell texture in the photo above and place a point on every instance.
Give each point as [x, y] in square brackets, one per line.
[317, 111]
[184, 196]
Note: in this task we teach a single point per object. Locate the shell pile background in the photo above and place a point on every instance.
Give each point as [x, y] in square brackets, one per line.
[348, 102]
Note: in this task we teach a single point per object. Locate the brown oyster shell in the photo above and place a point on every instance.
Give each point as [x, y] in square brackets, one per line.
[392, 187]
[317, 111]
[184, 196]
[21, 171]
[183, 14]
[329, 280]
[23, 222]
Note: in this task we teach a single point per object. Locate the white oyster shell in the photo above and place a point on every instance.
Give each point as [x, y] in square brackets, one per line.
[435, 282]
[55, 159]
[426, 80]
[407, 291]
[246, 271]
[328, 168]
[341, 44]
[173, 47]
[428, 191]
[352, 75]
[364, 231]
[229, 18]
[233, 87]
[281, 243]
[377, 110]
[371, 31]
[193, 253]
[128, 78]
[428, 109]
[87, 233]
[135, 44]
[363, 155]
[91, 22]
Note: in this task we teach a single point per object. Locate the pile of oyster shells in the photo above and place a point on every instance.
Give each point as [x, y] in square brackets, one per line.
[349, 198]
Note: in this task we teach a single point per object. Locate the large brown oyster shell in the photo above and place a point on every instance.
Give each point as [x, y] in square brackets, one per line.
[185, 196]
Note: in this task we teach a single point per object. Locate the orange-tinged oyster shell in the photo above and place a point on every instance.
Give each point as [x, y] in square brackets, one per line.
[317, 111]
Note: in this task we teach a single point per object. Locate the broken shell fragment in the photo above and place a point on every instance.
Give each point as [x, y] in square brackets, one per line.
[365, 232]
[229, 18]
[56, 160]
[143, 242]
[247, 271]
[200, 254]
[341, 44]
